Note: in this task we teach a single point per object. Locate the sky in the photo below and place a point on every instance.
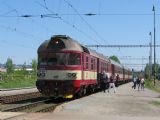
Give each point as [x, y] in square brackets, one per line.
[25, 24]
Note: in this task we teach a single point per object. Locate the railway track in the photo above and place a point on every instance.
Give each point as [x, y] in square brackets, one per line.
[19, 97]
[47, 105]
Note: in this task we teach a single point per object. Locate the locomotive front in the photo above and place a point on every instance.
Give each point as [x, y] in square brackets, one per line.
[59, 67]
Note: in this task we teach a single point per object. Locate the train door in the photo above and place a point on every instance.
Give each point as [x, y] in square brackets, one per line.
[112, 69]
[93, 74]
[83, 66]
[98, 70]
[123, 74]
[85, 69]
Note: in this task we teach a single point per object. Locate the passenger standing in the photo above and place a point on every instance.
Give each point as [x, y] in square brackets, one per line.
[142, 83]
[112, 83]
[104, 81]
[138, 81]
[117, 79]
[134, 82]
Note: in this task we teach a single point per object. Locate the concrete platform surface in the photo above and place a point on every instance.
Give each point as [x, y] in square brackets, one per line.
[17, 91]
[125, 104]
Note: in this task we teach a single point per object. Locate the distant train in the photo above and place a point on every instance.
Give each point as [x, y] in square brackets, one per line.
[67, 68]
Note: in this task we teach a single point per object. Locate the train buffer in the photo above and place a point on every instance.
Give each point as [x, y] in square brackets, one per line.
[125, 104]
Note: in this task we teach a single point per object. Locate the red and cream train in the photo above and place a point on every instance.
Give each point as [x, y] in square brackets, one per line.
[67, 68]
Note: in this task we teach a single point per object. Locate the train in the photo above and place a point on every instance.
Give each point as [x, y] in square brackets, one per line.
[67, 68]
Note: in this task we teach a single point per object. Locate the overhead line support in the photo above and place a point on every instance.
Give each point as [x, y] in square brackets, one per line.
[121, 46]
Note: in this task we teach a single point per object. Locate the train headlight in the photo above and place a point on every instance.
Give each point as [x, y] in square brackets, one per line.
[72, 75]
[41, 73]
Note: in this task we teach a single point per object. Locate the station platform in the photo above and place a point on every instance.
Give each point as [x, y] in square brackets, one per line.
[125, 104]
[7, 92]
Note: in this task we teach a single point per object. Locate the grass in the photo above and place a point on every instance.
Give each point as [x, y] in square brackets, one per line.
[150, 84]
[157, 103]
[17, 80]
[18, 83]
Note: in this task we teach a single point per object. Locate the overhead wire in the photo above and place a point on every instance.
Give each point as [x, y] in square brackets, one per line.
[91, 28]
[22, 33]
[69, 4]
[66, 22]
[26, 35]
[17, 44]
[59, 17]
[97, 34]
[63, 14]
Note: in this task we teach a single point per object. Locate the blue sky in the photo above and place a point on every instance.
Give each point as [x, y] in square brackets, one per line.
[117, 22]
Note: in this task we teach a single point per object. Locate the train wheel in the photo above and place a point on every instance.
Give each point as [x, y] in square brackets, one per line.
[81, 94]
[93, 89]
[84, 91]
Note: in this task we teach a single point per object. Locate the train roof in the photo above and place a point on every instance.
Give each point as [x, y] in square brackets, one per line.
[61, 40]
[120, 65]
[70, 44]
[116, 63]
[43, 46]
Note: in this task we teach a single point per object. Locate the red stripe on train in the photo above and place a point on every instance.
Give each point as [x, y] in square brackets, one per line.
[60, 67]
[76, 83]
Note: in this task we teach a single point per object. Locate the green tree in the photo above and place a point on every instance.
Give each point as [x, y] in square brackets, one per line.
[24, 67]
[147, 71]
[156, 69]
[34, 64]
[9, 66]
[115, 58]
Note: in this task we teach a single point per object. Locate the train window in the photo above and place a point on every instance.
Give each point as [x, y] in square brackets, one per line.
[73, 59]
[101, 67]
[61, 58]
[56, 59]
[42, 59]
[92, 64]
[87, 62]
[52, 61]
[107, 67]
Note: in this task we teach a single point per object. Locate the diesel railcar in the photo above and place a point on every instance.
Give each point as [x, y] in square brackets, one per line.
[66, 68]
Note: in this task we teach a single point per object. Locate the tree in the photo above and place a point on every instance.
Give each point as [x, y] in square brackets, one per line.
[24, 66]
[115, 58]
[34, 64]
[147, 71]
[159, 73]
[9, 66]
[156, 69]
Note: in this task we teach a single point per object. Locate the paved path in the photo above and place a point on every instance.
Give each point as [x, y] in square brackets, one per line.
[125, 104]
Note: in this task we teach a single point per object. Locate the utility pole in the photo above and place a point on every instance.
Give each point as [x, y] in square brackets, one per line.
[154, 46]
[150, 57]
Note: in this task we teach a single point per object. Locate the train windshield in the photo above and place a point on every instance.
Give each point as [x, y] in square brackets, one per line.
[59, 59]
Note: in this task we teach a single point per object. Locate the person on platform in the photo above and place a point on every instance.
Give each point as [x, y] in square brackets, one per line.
[104, 81]
[117, 79]
[142, 83]
[112, 83]
[134, 82]
[138, 81]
